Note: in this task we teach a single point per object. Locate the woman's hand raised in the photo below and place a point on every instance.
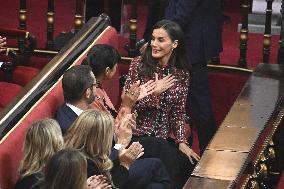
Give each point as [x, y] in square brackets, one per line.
[129, 97]
[129, 155]
[123, 130]
[163, 84]
[2, 44]
[147, 89]
[98, 182]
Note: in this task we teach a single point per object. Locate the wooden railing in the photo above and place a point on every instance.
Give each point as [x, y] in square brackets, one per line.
[50, 17]
[246, 150]
[54, 69]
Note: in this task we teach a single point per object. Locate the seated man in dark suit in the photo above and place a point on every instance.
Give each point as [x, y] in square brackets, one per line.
[79, 87]
[79, 92]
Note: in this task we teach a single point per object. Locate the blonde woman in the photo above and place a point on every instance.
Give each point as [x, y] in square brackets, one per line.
[92, 134]
[68, 169]
[43, 139]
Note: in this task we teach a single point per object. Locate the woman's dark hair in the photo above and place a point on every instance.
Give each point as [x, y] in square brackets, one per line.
[66, 169]
[100, 57]
[178, 58]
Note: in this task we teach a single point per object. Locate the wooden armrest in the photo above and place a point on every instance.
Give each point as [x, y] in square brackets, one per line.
[29, 39]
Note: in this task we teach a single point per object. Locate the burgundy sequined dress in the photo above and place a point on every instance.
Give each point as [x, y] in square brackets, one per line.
[164, 115]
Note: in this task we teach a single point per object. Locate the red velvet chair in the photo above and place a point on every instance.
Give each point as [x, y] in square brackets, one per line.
[8, 92]
[11, 144]
[24, 74]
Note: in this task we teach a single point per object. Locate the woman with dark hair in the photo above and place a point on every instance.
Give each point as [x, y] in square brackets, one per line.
[103, 61]
[68, 169]
[162, 114]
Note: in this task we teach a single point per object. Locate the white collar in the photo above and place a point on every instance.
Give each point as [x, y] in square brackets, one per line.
[75, 109]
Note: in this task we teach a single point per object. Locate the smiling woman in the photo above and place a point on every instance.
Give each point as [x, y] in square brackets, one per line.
[162, 114]
[162, 46]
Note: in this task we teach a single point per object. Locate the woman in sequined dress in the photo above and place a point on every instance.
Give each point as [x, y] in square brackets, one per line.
[149, 172]
[178, 166]
[163, 113]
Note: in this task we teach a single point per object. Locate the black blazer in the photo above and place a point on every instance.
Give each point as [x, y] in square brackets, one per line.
[29, 182]
[65, 117]
[201, 21]
[142, 172]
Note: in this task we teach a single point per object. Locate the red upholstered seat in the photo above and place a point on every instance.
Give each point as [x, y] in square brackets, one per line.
[23, 74]
[39, 62]
[223, 94]
[11, 145]
[123, 69]
[8, 92]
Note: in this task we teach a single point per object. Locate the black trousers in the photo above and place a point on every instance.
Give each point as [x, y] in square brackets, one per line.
[176, 163]
[96, 7]
[199, 103]
[156, 9]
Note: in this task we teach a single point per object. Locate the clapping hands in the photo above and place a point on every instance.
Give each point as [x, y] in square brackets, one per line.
[137, 92]
[156, 87]
[123, 130]
[129, 155]
[98, 182]
[2, 44]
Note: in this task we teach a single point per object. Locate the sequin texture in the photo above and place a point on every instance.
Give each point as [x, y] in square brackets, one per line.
[163, 115]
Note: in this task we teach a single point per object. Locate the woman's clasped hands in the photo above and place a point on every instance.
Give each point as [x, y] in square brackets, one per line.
[98, 182]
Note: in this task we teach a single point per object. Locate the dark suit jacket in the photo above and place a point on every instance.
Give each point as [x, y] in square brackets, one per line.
[28, 182]
[201, 21]
[65, 117]
[142, 172]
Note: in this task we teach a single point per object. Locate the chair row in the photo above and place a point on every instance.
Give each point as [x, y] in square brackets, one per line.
[44, 96]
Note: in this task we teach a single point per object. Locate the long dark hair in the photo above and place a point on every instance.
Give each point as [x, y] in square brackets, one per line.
[178, 57]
